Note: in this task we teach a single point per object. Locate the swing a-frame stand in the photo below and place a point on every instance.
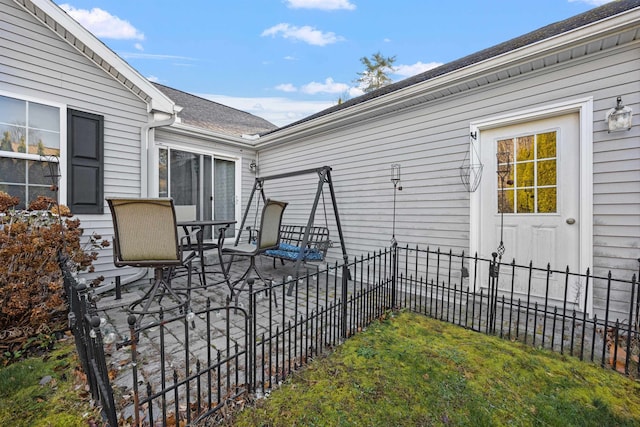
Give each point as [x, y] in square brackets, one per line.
[324, 177]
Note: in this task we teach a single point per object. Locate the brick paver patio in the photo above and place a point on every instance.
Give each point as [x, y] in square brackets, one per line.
[207, 331]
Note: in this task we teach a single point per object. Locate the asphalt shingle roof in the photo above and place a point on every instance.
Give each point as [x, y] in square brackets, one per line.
[210, 115]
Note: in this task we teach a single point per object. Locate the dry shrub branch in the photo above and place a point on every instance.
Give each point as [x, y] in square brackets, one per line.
[33, 306]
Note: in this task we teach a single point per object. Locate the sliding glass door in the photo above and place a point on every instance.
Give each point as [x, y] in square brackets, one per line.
[201, 185]
[224, 196]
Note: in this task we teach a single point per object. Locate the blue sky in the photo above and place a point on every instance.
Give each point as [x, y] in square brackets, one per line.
[286, 59]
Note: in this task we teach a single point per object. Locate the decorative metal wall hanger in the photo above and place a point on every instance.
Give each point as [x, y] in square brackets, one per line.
[53, 164]
[395, 179]
[503, 170]
[471, 167]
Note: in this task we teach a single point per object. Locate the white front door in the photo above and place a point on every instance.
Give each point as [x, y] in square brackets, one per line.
[530, 202]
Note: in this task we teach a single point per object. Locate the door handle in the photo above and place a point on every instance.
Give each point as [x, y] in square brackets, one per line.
[571, 221]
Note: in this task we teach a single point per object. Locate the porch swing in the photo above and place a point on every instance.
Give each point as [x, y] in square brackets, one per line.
[298, 243]
[291, 245]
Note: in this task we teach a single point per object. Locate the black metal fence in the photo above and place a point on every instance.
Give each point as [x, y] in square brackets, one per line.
[481, 294]
[85, 325]
[197, 366]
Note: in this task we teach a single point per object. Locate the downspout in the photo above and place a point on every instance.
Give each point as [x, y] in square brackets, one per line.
[145, 157]
[145, 142]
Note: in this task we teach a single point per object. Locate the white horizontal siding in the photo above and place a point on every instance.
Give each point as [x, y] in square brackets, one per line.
[430, 141]
[36, 63]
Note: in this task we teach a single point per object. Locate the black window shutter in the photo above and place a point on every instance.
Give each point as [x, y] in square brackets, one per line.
[85, 162]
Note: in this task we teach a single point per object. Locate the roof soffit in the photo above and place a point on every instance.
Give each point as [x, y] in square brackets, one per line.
[583, 41]
[86, 43]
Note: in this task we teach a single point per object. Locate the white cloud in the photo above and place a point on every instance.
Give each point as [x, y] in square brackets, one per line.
[355, 91]
[139, 46]
[137, 55]
[278, 110]
[321, 4]
[306, 34]
[286, 87]
[329, 86]
[153, 79]
[102, 24]
[412, 70]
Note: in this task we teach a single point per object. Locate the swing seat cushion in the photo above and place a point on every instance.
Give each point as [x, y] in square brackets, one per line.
[284, 252]
[288, 247]
[291, 237]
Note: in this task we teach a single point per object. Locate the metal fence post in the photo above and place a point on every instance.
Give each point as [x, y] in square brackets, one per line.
[100, 374]
[251, 345]
[394, 272]
[345, 284]
[494, 269]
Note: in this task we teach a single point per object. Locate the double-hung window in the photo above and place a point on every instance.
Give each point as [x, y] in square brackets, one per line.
[30, 136]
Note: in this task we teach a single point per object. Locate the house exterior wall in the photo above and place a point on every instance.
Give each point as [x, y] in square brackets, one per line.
[39, 65]
[430, 140]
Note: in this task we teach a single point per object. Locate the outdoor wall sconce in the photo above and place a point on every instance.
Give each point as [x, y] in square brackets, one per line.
[253, 166]
[619, 117]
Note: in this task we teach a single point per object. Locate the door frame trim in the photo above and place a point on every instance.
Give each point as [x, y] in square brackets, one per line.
[584, 108]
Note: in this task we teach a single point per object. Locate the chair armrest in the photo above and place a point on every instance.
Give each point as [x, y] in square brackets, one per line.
[190, 237]
[253, 234]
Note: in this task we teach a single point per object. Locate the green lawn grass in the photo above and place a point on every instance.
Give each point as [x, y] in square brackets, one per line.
[410, 370]
[45, 390]
[406, 370]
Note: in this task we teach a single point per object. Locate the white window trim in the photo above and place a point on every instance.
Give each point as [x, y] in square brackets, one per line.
[584, 108]
[62, 183]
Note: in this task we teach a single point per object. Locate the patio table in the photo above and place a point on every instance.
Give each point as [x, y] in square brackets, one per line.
[203, 245]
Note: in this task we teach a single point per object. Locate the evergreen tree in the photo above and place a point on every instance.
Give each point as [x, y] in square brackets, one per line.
[376, 72]
[22, 147]
[5, 144]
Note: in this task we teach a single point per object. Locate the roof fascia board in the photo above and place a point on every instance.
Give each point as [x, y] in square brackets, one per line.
[529, 53]
[158, 100]
[196, 132]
